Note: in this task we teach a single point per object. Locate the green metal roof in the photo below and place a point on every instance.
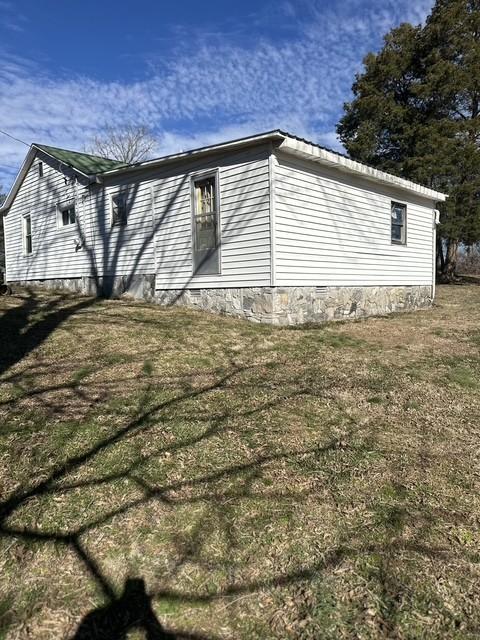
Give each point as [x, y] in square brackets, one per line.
[84, 162]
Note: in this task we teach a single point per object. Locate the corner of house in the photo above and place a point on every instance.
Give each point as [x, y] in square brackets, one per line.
[272, 159]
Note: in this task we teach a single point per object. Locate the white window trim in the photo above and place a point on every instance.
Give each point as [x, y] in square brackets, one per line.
[399, 243]
[24, 235]
[114, 194]
[60, 207]
[194, 177]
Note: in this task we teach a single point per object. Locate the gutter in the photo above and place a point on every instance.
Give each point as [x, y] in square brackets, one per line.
[309, 151]
[284, 142]
[194, 153]
[295, 146]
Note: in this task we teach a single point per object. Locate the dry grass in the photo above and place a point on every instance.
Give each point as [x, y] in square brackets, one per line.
[264, 483]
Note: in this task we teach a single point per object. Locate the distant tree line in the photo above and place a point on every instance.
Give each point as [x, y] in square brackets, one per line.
[416, 112]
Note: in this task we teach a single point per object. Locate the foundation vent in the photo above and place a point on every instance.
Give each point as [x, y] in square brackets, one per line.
[321, 291]
[195, 293]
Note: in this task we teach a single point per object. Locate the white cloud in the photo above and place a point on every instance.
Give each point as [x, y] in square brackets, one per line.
[218, 91]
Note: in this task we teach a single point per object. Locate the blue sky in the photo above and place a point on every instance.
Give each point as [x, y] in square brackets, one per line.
[197, 73]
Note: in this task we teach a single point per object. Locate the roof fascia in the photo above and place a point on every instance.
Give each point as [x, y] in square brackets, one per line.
[27, 163]
[85, 175]
[195, 153]
[319, 155]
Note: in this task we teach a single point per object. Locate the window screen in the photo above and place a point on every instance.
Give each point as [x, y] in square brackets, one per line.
[27, 234]
[119, 209]
[67, 216]
[399, 223]
[205, 226]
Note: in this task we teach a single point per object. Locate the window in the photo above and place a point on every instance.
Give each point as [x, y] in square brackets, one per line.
[205, 225]
[119, 209]
[40, 169]
[27, 234]
[65, 215]
[399, 223]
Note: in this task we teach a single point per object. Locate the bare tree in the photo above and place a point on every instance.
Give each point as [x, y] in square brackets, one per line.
[129, 144]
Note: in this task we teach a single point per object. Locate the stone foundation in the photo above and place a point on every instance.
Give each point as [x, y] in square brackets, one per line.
[297, 305]
[141, 287]
[252, 303]
[273, 305]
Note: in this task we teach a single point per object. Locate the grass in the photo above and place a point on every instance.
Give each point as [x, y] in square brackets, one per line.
[232, 480]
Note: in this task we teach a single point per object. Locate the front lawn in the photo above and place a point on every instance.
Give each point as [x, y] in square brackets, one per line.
[194, 476]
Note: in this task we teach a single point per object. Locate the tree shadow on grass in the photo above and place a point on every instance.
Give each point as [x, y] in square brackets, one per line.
[217, 487]
[131, 611]
[24, 328]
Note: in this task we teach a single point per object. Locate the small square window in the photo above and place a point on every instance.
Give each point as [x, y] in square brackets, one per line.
[119, 209]
[66, 215]
[40, 169]
[399, 223]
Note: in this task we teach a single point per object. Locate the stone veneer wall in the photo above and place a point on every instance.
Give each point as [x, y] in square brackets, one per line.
[141, 287]
[252, 303]
[274, 305]
[297, 305]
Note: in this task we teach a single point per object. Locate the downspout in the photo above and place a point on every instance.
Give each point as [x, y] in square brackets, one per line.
[436, 220]
[271, 190]
[94, 179]
[4, 233]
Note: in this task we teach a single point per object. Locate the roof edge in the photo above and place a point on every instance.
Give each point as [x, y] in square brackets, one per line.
[287, 142]
[32, 152]
[18, 180]
[42, 149]
[275, 134]
[313, 152]
[296, 146]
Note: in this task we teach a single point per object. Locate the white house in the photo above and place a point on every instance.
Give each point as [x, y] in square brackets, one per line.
[270, 227]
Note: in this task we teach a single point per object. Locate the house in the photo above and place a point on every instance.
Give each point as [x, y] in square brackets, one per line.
[270, 227]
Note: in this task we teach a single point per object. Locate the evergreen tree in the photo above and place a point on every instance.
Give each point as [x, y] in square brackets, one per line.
[416, 111]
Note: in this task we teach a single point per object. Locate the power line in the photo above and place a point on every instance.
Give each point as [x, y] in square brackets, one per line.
[8, 166]
[13, 138]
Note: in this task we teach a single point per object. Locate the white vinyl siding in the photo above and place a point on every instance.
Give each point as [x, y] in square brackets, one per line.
[335, 229]
[127, 250]
[244, 214]
[27, 234]
[123, 249]
[324, 226]
[53, 253]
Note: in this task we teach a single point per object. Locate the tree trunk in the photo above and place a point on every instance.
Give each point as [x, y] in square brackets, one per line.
[440, 257]
[449, 261]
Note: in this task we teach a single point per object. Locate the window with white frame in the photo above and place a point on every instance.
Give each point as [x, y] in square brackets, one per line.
[119, 209]
[66, 216]
[27, 234]
[40, 169]
[206, 259]
[399, 223]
